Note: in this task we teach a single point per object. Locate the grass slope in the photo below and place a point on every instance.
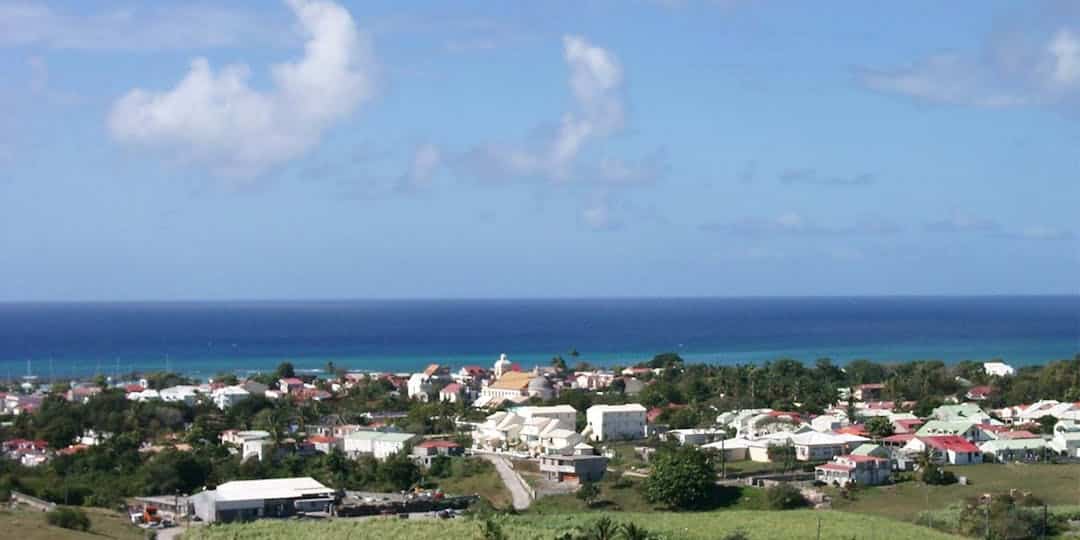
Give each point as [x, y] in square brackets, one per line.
[30, 525]
[799, 524]
[1055, 484]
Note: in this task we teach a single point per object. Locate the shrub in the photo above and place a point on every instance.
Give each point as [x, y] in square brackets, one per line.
[737, 534]
[68, 518]
[784, 497]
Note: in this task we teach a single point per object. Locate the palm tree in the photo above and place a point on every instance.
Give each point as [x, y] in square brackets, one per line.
[631, 531]
[603, 529]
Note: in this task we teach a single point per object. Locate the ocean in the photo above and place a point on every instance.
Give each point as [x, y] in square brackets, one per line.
[61, 340]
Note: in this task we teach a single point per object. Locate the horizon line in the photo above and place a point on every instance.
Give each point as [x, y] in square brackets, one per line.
[269, 300]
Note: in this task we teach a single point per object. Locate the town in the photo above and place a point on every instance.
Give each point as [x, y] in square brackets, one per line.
[346, 444]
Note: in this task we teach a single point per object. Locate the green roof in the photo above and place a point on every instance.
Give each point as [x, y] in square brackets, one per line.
[866, 449]
[942, 427]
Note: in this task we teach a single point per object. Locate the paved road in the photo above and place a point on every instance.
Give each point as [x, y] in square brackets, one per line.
[520, 498]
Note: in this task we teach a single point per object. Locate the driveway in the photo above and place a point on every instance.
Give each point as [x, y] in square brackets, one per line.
[513, 482]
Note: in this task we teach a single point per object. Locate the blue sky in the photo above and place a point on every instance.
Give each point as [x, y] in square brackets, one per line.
[312, 149]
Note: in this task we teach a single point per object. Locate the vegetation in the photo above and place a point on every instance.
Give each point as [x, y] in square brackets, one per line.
[662, 525]
[784, 497]
[32, 525]
[681, 478]
[68, 518]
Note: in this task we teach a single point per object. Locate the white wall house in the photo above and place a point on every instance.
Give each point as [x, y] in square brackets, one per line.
[180, 394]
[1000, 369]
[376, 443]
[228, 396]
[615, 422]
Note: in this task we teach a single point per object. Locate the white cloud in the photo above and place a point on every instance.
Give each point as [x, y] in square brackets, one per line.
[148, 26]
[425, 163]
[1045, 233]
[1065, 52]
[595, 82]
[1029, 68]
[218, 119]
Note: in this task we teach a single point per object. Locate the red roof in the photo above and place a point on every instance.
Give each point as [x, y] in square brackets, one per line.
[979, 391]
[452, 388]
[899, 438]
[871, 386]
[74, 449]
[133, 388]
[320, 439]
[887, 405]
[1019, 434]
[954, 443]
[474, 370]
[292, 381]
[835, 467]
[438, 444]
[853, 429]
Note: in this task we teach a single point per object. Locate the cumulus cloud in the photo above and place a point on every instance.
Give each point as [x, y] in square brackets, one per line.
[218, 119]
[1035, 66]
[596, 83]
[150, 26]
[557, 155]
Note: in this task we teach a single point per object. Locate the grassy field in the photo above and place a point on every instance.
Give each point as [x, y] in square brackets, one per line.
[487, 484]
[791, 525]
[1057, 485]
[29, 525]
[630, 499]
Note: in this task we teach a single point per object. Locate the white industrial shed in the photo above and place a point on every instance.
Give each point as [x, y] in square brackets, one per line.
[243, 500]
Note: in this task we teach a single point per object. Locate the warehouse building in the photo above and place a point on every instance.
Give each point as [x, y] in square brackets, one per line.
[244, 500]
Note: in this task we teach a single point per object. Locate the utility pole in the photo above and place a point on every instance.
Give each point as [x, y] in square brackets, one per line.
[819, 527]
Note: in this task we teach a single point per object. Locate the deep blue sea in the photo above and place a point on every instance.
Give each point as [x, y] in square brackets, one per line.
[203, 338]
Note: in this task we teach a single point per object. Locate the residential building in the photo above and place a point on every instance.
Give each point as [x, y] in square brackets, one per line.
[429, 450]
[969, 430]
[452, 393]
[185, 394]
[1066, 440]
[82, 393]
[696, 437]
[951, 449]
[870, 449]
[979, 393]
[829, 422]
[376, 443]
[814, 446]
[733, 449]
[999, 369]
[516, 387]
[1011, 450]
[869, 392]
[290, 384]
[242, 500]
[325, 443]
[615, 422]
[861, 470]
[228, 396]
[969, 412]
[581, 466]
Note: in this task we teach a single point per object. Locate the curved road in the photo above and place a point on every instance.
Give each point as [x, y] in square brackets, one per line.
[513, 482]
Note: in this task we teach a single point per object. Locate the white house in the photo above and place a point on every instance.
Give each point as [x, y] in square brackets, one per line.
[829, 422]
[615, 422]
[1066, 439]
[538, 429]
[695, 437]
[858, 469]
[376, 443]
[733, 449]
[228, 396]
[999, 369]
[951, 449]
[966, 429]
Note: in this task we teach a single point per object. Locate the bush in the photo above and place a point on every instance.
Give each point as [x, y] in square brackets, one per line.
[68, 518]
[784, 497]
[737, 534]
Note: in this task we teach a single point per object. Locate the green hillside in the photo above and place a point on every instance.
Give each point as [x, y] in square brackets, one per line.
[799, 524]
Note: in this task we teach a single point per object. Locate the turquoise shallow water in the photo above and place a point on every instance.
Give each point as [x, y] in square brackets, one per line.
[205, 338]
